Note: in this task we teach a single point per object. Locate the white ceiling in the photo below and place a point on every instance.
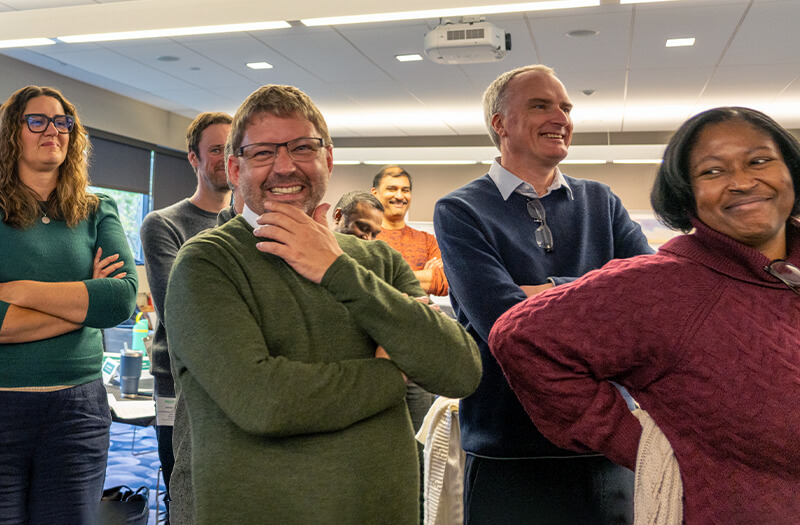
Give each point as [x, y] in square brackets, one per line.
[747, 52]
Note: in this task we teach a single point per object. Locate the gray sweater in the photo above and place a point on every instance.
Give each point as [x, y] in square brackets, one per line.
[163, 233]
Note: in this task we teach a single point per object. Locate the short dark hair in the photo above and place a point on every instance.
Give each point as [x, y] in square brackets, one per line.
[672, 197]
[199, 125]
[350, 201]
[376, 181]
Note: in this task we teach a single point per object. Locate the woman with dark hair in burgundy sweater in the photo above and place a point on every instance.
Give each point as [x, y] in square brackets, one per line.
[705, 334]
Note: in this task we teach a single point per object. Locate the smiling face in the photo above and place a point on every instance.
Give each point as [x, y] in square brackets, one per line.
[535, 124]
[299, 183]
[394, 193]
[46, 151]
[741, 185]
[210, 163]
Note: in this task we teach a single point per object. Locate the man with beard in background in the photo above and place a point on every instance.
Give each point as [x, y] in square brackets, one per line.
[163, 232]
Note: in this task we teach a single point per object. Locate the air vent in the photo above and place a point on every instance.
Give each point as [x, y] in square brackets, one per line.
[465, 34]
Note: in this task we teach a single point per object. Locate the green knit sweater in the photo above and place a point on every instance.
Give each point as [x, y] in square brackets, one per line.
[293, 420]
[56, 253]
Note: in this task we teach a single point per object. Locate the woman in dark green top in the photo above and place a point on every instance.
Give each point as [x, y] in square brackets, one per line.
[54, 299]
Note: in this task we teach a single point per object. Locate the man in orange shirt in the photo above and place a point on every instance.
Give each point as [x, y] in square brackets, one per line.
[392, 186]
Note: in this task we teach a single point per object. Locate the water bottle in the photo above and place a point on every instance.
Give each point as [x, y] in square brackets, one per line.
[140, 331]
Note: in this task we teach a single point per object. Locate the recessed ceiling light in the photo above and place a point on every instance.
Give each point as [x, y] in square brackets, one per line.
[259, 65]
[26, 42]
[175, 31]
[167, 58]
[447, 13]
[579, 33]
[409, 58]
[680, 42]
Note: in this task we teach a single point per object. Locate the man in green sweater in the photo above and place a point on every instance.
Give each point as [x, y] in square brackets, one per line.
[292, 344]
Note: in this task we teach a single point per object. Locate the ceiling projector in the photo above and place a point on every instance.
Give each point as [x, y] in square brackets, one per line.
[467, 43]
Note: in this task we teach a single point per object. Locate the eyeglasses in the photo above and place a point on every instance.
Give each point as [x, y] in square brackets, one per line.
[544, 237]
[265, 153]
[786, 272]
[38, 123]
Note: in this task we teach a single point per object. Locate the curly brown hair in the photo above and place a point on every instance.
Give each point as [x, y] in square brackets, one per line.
[70, 201]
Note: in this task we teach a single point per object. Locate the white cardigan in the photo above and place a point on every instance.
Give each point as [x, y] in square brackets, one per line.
[444, 464]
[658, 493]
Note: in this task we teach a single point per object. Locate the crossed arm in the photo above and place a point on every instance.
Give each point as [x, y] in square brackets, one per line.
[309, 397]
[40, 310]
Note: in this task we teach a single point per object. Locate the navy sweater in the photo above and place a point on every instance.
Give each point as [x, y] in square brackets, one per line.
[489, 249]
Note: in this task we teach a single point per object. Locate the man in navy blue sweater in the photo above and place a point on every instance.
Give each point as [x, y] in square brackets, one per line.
[521, 229]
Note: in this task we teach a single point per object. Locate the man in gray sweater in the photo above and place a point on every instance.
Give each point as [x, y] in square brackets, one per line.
[163, 232]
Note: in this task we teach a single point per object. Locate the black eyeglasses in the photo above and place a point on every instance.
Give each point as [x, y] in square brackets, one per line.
[264, 153]
[544, 237]
[38, 122]
[786, 272]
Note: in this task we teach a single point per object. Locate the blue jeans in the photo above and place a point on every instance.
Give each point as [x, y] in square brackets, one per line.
[53, 453]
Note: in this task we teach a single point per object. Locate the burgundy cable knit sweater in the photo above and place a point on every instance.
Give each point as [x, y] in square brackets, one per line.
[704, 339]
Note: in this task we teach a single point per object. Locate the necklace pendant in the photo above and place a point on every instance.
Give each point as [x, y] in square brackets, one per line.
[46, 219]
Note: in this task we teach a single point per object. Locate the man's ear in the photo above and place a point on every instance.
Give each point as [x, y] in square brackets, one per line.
[233, 169]
[329, 161]
[193, 160]
[498, 125]
[337, 216]
[374, 191]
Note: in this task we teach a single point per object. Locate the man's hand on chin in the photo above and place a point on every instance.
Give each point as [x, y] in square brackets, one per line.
[305, 243]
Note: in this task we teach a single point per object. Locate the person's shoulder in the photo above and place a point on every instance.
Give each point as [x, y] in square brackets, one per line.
[106, 206]
[637, 276]
[587, 185]
[419, 233]
[477, 191]
[473, 188]
[166, 213]
[229, 236]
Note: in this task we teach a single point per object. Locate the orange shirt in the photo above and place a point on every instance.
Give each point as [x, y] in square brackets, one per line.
[417, 247]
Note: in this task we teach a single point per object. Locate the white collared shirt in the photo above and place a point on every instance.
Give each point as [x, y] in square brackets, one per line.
[250, 216]
[509, 183]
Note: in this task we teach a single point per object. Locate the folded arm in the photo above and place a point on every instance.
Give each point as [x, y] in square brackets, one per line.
[563, 375]
[23, 325]
[433, 350]
[68, 301]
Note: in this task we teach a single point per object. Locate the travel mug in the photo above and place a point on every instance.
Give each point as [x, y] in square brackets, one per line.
[130, 369]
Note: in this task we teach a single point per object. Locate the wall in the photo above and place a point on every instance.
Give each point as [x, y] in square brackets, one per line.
[631, 182]
[99, 108]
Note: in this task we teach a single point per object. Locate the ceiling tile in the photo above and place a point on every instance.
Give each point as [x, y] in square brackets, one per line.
[712, 25]
[768, 35]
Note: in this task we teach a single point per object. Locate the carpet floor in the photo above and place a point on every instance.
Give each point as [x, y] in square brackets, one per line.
[134, 462]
